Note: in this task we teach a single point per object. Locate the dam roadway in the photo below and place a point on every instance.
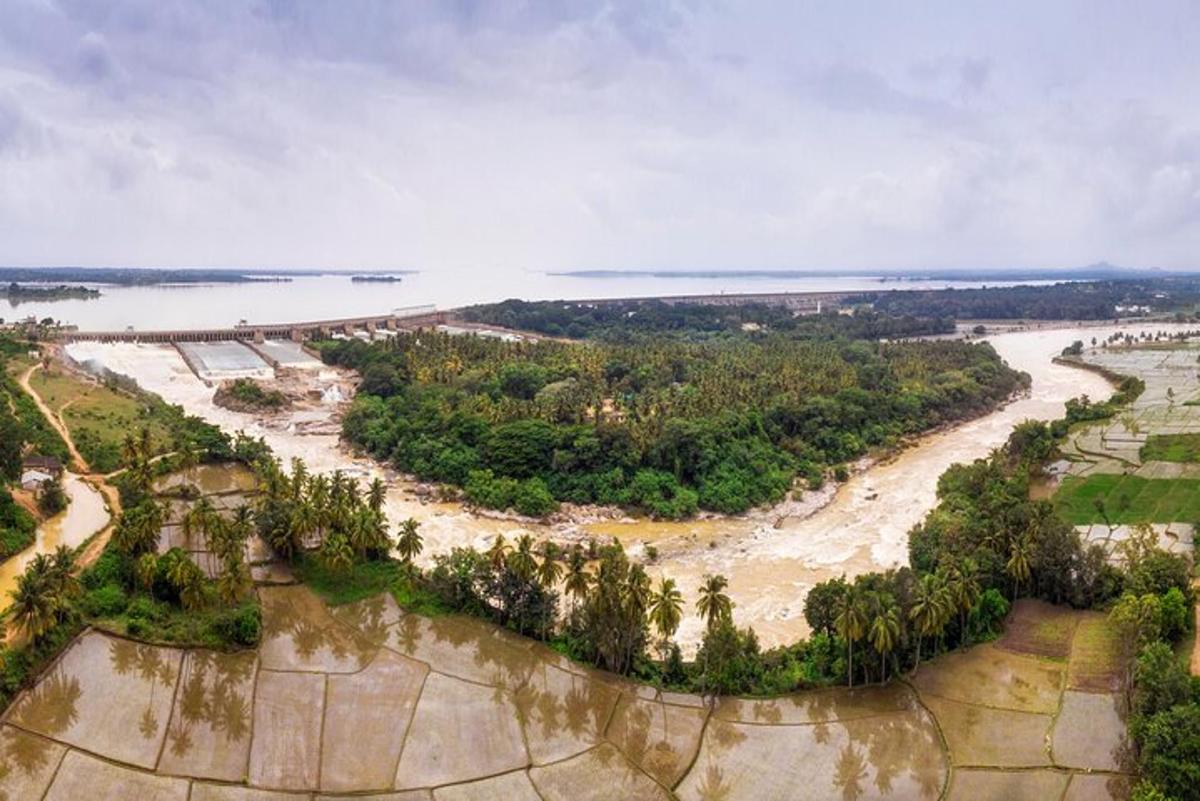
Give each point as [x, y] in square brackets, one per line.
[417, 317]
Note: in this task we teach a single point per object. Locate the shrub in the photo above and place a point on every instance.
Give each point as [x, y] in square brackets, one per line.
[106, 601]
[1170, 753]
[241, 625]
[533, 498]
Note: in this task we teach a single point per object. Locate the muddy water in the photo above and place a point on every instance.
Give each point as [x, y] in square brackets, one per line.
[211, 479]
[84, 516]
[365, 699]
[770, 569]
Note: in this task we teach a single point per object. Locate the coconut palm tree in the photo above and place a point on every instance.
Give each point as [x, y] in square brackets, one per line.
[144, 570]
[409, 543]
[498, 553]
[884, 631]
[930, 609]
[851, 625]
[578, 579]
[550, 570]
[1018, 566]
[376, 494]
[964, 590]
[35, 604]
[336, 553]
[713, 604]
[521, 561]
[666, 611]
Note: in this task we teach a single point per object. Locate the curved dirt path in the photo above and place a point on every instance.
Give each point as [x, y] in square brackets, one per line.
[112, 497]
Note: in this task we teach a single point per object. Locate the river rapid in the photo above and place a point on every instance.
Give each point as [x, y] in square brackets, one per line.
[770, 563]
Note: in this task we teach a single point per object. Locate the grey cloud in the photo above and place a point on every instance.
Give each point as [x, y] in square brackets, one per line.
[594, 132]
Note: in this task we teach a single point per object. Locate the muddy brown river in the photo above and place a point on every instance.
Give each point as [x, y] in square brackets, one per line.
[770, 569]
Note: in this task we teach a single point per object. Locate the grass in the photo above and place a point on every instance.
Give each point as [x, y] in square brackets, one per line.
[1095, 662]
[1171, 448]
[34, 428]
[1129, 499]
[1037, 628]
[98, 417]
[366, 579]
[160, 623]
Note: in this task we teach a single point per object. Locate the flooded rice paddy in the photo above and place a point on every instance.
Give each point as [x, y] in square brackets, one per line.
[770, 563]
[365, 698]
[1112, 447]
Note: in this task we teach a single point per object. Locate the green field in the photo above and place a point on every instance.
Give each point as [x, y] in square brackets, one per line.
[1172, 448]
[99, 418]
[1129, 499]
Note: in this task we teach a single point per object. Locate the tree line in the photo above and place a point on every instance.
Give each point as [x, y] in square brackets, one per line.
[1068, 300]
[626, 321]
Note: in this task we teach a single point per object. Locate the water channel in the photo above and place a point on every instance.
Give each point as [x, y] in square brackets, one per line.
[85, 515]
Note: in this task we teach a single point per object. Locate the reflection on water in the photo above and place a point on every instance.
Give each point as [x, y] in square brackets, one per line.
[27, 763]
[211, 479]
[51, 707]
[214, 694]
[896, 756]
[490, 703]
[85, 515]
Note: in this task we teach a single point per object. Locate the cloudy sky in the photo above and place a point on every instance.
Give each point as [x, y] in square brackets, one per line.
[574, 134]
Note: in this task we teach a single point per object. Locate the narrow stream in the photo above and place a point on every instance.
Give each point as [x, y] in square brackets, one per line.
[84, 516]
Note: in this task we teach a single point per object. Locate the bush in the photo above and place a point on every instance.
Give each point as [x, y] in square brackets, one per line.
[987, 617]
[241, 625]
[106, 601]
[112, 567]
[143, 608]
[1160, 682]
[533, 498]
[1170, 752]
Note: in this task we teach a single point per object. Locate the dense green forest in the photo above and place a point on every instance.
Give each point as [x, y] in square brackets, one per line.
[627, 320]
[662, 425]
[1081, 300]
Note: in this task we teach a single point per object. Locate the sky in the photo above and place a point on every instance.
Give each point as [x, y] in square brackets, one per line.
[579, 134]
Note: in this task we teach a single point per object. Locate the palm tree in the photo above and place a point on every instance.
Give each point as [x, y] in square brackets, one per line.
[666, 611]
[299, 478]
[521, 561]
[376, 494]
[965, 590]
[550, 570]
[930, 609]
[578, 579]
[884, 632]
[191, 593]
[409, 544]
[851, 625]
[497, 554]
[1018, 563]
[35, 605]
[713, 604]
[336, 553]
[145, 569]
